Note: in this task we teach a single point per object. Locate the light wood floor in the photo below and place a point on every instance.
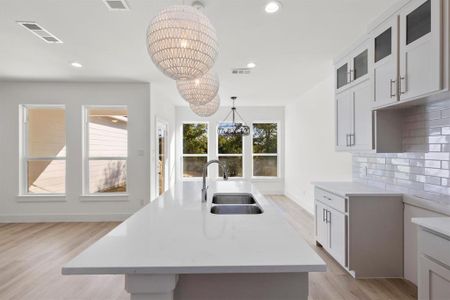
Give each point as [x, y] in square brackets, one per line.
[31, 256]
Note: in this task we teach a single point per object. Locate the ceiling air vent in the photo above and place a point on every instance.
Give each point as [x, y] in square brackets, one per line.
[40, 32]
[116, 4]
[241, 71]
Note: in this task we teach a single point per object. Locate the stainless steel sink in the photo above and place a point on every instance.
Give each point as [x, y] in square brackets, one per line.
[233, 199]
[236, 210]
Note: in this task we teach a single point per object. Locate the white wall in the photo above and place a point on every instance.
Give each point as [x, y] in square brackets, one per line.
[310, 140]
[74, 206]
[250, 114]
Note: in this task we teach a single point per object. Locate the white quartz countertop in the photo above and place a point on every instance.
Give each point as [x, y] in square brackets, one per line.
[177, 234]
[350, 188]
[439, 225]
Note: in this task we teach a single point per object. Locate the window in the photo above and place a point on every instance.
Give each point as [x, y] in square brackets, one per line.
[229, 151]
[195, 149]
[106, 150]
[44, 150]
[265, 149]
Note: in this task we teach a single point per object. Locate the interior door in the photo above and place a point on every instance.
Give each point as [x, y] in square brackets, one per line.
[162, 162]
[385, 59]
[344, 119]
[321, 225]
[337, 235]
[361, 138]
[420, 49]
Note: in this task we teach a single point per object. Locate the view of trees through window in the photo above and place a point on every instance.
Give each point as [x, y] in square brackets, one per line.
[195, 148]
[230, 152]
[265, 149]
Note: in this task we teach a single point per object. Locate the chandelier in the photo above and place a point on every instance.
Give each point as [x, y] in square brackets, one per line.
[200, 90]
[232, 128]
[182, 42]
[208, 109]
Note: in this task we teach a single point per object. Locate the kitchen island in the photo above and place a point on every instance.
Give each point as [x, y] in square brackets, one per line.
[175, 248]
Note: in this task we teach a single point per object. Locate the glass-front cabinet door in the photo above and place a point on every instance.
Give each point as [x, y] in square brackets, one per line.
[420, 49]
[360, 65]
[384, 40]
[342, 76]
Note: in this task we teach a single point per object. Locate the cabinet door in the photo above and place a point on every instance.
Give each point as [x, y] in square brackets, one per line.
[344, 119]
[361, 138]
[321, 230]
[342, 75]
[337, 235]
[420, 49]
[385, 60]
[434, 280]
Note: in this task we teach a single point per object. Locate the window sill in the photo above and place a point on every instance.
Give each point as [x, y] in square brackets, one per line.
[104, 198]
[41, 198]
[265, 179]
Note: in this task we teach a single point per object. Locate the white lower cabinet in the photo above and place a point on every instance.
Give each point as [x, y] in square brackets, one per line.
[434, 266]
[363, 233]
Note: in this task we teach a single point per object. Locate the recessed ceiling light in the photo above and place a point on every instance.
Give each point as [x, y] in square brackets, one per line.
[251, 65]
[272, 7]
[76, 65]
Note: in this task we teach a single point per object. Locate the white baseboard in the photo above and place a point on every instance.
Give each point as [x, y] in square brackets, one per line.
[309, 207]
[37, 218]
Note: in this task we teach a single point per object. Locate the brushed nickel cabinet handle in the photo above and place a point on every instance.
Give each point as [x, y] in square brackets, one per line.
[393, 94]
[403, 88]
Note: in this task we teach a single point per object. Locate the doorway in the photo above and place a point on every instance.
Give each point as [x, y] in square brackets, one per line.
[162, 158]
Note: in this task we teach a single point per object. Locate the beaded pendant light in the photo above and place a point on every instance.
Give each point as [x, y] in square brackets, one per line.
[200, 90]
[182, 42]
[208, 109]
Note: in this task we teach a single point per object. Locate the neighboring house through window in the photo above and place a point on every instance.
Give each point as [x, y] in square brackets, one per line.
[265, 149]
[195, 149]
[106, 149]
[43, 149]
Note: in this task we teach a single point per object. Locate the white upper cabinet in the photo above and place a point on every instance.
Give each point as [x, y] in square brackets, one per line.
[420, 49]
[352, 68]
[384, 42]
[354, 118]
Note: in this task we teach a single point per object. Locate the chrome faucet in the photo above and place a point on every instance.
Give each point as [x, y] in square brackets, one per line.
[205, 168]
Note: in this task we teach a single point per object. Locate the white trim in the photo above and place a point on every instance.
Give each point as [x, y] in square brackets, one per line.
[38, 218]
[277, 155]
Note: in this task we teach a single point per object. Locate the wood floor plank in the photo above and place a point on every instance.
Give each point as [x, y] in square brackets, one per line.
[32, 256]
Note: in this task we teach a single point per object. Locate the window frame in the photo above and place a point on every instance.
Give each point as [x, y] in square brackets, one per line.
[265, 154]
[86, 158]
[193, 155]
[231, 155]
[24, 156]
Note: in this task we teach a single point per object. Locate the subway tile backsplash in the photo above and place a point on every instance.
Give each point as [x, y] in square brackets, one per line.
[423, 169]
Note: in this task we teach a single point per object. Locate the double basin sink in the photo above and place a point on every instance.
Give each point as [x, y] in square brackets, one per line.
[235, 204]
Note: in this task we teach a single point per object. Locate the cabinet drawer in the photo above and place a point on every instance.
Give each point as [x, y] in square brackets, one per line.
[434, 246]
[330, 199]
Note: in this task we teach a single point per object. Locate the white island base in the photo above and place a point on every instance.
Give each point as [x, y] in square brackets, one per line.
[175, 248]
[261, 286]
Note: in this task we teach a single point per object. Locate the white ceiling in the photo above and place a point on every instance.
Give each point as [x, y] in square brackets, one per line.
[292, 49]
